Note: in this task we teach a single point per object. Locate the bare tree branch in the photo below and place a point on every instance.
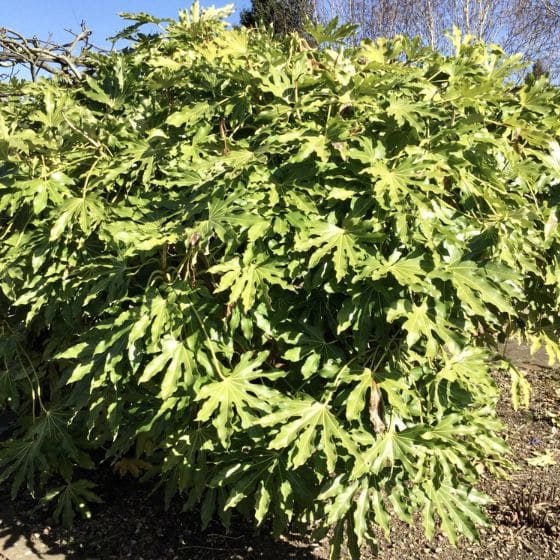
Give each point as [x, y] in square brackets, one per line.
[553, 10]
[45, 55]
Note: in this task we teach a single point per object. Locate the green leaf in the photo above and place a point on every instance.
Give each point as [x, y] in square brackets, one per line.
[458, 509]
[236, 395]
[189, 115]
[248, 281]
[175, 361]
[263, 499]
[520, 387]
[329, 239]
[356, 401]
[313, 427]
[73, 496]
[405, 110]
[473, 285]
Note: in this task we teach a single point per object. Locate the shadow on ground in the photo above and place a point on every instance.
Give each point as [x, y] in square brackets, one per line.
[133, 524]
[18, 541]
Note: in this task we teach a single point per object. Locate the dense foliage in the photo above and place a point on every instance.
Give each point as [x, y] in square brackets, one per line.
[274, 277]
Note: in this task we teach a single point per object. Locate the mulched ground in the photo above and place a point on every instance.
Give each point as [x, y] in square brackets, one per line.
[525, 511]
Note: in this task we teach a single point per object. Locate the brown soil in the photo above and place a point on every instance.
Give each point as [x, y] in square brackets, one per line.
[132, 524]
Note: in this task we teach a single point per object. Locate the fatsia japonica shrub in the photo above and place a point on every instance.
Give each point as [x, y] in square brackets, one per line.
[273, 276]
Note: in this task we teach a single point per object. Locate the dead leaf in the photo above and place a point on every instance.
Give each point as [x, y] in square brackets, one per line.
[131, 466]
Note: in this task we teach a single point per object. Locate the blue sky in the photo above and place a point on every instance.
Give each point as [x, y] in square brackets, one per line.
[44, 17]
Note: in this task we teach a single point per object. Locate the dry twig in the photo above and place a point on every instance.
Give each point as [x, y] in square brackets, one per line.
[45, 55]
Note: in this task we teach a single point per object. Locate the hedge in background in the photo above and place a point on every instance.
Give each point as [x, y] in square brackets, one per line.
[273, 276]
